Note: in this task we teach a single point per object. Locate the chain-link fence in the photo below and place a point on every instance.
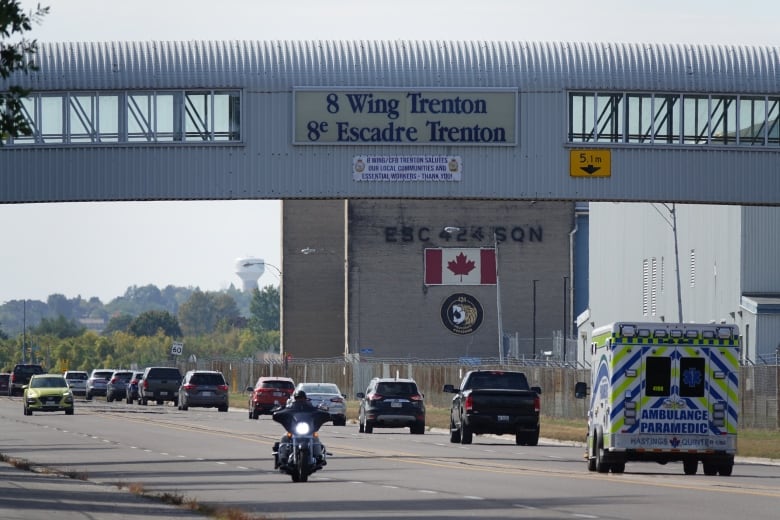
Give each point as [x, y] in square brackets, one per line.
[758, 383]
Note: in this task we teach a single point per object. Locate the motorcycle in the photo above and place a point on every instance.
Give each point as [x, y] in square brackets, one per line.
[300, 453]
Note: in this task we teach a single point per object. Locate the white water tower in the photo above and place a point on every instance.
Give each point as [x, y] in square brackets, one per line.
[250, 269]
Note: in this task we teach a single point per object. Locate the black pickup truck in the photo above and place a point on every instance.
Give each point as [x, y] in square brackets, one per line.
[497, 402]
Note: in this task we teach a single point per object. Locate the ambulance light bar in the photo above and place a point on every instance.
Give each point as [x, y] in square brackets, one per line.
[628, 331]
[724, 332]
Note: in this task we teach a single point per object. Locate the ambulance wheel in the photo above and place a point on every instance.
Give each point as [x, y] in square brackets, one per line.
[690, 466]
[590, 456]
[709, 468]
[601, 465]
[725, 470]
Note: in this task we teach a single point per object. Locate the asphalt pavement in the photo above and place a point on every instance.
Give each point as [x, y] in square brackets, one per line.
[29, 495]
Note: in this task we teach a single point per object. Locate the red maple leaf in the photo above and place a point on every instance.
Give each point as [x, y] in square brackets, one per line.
[461, 266]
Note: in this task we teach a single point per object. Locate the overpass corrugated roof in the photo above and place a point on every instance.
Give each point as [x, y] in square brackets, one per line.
[529, 66]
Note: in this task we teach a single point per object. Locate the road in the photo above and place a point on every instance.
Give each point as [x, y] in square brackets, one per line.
[224, 459]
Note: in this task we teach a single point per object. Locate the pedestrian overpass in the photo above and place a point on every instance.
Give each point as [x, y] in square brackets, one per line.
[473, 120]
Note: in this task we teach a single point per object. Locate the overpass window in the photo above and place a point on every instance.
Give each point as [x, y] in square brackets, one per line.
[147, 117]
[141, 116]
[608, 119]
[83, 117]
[696, 121]
[673, 119]
[723, 118]
[108, 118]
[666, 119]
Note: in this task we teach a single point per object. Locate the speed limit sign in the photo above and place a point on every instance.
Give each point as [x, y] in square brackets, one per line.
[177, 349]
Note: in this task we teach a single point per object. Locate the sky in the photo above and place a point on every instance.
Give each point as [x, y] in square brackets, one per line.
[102, 248]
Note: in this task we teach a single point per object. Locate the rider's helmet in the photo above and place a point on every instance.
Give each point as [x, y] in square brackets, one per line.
[299, 395]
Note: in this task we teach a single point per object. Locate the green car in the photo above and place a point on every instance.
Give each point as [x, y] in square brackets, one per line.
[47, 393]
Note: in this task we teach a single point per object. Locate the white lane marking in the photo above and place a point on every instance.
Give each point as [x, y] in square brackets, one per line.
[472, 497]
[427, 491]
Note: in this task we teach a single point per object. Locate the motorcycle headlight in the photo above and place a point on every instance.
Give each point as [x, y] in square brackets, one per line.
[302, 428]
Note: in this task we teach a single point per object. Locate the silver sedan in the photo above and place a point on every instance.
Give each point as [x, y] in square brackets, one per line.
[327, 396]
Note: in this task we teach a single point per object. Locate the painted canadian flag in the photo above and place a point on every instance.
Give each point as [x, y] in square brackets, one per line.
[454, 266]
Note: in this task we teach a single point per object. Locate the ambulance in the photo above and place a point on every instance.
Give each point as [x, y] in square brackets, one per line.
[663, 392]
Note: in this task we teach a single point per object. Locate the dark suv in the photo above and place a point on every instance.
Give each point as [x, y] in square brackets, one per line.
[205, 388]
[21, 376]
[159, 384]
[391, 403]
[116, 388]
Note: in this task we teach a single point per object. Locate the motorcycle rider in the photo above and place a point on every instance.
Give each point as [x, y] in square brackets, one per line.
[299, 404]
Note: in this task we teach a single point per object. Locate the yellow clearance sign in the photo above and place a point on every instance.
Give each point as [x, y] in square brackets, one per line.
[590, 163]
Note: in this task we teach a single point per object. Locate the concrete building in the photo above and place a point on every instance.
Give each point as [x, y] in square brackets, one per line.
[354, 278]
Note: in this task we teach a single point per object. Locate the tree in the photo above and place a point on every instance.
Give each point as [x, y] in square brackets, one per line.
[60, 327]
[203, 312]
[118, 323]
[150, 322]
[16, 56]
[264, 309]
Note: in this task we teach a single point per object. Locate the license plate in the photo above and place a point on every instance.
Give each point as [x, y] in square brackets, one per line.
[163, 393]
[206, 394]
[278, 394]
[503, 418]
[396, 404]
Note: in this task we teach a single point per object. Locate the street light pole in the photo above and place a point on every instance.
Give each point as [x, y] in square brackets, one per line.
[673, 224]
[24, 330]
[534, 324]
[498, 304]
[565, 323]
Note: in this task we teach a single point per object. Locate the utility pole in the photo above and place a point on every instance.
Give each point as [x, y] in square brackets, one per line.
[565, 323]
[534, 324]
